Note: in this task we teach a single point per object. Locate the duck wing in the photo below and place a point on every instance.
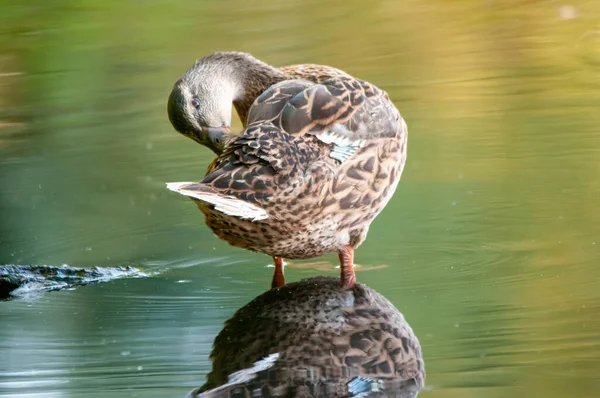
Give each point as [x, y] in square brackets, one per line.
[345, 112]
[253, 167]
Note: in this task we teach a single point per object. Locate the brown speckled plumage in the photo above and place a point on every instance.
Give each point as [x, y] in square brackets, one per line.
[324, 336]
[320, 158]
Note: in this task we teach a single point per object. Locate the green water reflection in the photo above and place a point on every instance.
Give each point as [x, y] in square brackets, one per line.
[492, 241]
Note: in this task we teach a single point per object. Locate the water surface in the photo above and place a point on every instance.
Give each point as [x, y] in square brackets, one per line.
[491, 243]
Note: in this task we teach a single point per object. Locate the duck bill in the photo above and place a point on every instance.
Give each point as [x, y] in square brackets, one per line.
[213, 138]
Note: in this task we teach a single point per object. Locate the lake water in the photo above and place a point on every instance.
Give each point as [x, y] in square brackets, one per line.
[491, 244]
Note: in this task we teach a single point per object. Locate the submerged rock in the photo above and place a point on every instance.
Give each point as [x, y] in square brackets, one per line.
[41, 278]
[312, 338]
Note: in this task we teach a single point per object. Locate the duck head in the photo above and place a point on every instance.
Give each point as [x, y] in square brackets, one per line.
[200, 103]
[199, 106]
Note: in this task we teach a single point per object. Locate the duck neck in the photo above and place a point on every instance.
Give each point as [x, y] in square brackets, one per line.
[250, 78]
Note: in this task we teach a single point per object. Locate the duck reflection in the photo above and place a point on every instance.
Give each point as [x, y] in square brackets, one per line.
[313, 338]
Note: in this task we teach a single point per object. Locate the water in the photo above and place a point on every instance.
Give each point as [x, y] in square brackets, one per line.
[491, 243]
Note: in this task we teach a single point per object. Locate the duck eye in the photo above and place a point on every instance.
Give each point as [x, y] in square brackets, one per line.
[196, 103]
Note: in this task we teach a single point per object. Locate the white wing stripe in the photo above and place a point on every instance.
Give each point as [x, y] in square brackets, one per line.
[225, 204]
[343, 144]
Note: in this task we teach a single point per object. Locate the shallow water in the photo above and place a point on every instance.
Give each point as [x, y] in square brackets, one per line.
[492, 241]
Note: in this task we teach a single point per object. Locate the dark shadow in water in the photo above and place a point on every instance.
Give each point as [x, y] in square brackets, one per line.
[312, 338]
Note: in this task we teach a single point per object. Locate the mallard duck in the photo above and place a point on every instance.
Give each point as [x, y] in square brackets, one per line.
[314, 338]
[320, 156]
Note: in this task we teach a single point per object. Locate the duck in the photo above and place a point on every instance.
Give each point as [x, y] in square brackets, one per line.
[315, 338]
[320, 155]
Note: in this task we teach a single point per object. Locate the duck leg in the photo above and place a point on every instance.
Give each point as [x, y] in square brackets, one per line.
[278, 278]
[347, 277]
